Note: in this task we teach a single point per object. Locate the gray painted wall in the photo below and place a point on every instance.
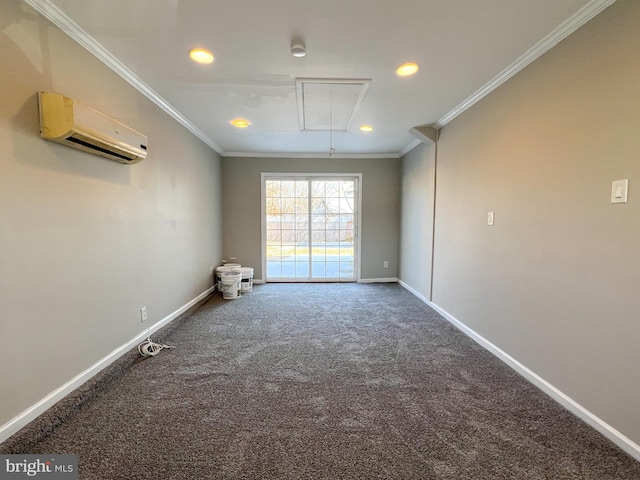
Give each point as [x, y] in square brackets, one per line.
[418, 196]
[84, 241]
[380, 207]
[554, 283]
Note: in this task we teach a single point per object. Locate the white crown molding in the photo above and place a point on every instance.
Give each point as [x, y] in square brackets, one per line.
[58, 18]
[565, 29]
[309, 155]
[409, 146]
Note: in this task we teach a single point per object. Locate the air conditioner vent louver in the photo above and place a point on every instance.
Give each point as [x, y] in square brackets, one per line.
[70, 123]
[98, 146]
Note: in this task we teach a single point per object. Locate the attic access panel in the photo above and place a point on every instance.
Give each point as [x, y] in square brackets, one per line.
[328, 104]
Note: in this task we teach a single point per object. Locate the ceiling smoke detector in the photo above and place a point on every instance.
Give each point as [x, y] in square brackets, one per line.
[298, 50]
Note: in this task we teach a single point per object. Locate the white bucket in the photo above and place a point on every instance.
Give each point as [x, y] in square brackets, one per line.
[228, 268]
[230, 285]
[247, 279]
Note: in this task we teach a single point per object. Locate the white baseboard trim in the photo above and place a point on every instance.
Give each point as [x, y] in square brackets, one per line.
[416, 293]
[378, 280]
[625, 443]
[21, 420]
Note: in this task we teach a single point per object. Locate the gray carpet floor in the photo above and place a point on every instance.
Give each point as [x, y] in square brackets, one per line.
[327, 381]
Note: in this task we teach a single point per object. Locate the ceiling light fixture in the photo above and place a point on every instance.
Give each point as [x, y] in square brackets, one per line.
[407, 69]
[366, 128]
[298, 50]
[201, 55]
[240, 123]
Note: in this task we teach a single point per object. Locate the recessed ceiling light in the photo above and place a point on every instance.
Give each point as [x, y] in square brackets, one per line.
[366, 128]
[201, 55]
[240, 123]
[407, 69]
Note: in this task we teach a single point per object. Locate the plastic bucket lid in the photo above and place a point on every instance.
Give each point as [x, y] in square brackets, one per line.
[247, 272]
[229, 278]
[226, 268]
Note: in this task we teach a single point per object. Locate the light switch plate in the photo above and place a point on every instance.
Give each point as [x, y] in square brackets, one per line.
[619, 191]
[490, 218]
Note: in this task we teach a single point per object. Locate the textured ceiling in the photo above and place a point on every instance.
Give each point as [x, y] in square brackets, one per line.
[465, 48]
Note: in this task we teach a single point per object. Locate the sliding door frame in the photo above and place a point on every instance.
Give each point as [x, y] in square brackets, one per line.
[264, 176]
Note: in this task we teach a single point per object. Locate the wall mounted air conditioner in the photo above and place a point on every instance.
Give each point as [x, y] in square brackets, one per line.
[70, 123]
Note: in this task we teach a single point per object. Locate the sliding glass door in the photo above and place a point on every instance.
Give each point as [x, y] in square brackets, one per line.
[310, 228]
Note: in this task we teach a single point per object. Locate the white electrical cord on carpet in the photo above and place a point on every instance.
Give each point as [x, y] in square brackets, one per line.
[149, 348]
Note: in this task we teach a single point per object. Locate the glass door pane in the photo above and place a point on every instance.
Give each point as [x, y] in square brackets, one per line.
[287, 223]
[310, 229]
[332, 228]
